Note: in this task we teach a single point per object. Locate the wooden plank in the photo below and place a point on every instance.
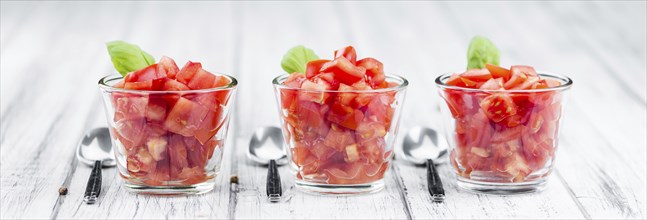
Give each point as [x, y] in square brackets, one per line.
[264, 42]
[42, 123]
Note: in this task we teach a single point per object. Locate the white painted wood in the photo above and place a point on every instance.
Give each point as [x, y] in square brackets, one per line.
[600, 164]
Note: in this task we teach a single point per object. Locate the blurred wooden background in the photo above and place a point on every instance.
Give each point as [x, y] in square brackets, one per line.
[53, 53]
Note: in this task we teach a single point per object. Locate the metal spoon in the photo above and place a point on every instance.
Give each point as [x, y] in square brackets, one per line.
[266, 147]
[423, 145]
[95, 149]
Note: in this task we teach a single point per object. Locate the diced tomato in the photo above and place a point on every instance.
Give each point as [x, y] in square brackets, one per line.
[498, 106]
[346, 97]
[374, 70]
[313, 67]
[348, 53]
[202, 79]
[146, 85]
[144, 75]
[185, 117]
[168, 66]
[210, 126]
[338, 138]
[499, 72]
[129, 106]
[493, 84]
[196, 154]
[173, 85]
[314, 91]
[455, 80]
[177, 155]
[344, 70]
[328, 78]
[156, 109]
[476, 75]
[188, 71]
[521, 74]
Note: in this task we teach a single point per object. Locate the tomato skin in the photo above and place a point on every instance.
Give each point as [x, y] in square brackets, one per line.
[313, 67]
[493, 84]
[188, 71]
[374, 70]
[476, 75]
[455, 80]
[168, 66]
[499, 72]
[498, 106]
[347, 52]
[146, 74]
[344, 70]
[185, 117]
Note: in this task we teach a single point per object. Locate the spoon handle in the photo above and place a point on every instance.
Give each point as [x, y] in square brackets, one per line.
[93, 189]
[434, 184]
[274, 190]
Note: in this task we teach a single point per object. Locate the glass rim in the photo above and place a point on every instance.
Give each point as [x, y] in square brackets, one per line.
[404, 83]
[233, 83]
[566, 84]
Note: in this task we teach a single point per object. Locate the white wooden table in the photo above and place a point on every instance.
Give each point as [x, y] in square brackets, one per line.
[53, 53]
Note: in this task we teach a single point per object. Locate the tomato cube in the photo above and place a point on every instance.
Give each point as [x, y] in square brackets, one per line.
[344, 70]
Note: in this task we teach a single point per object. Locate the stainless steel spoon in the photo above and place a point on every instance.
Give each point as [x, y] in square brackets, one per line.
[424, 145]
[266, 147]
[95, 149]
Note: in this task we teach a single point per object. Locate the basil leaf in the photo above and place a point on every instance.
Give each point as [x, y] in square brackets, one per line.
[296, 59]
[480, 52]
[128, 57]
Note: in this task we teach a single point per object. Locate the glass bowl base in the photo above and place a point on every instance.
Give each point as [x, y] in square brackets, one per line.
[194, 189]
[497, 188]
[339, 189]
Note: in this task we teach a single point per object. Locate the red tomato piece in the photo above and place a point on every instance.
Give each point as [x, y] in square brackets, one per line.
[146, 85]
[344, 70]
[144, 75]
[168, 66]
[498, 106]
[476, 75]
[520, 74]
[493, 84]
[329, 78]
[313, 67]
[173, 85]
[499, 72]
[202, 79]
[185, 117]
[348, 53]
[455, 80]
[177, 155]
[374, 70]
[188, 71]
[314, 91]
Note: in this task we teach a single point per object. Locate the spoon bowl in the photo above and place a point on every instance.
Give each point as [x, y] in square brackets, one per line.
[421, 144]
[267, 144]
[96, 145]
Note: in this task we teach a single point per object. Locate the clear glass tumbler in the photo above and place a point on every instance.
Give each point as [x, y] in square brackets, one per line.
[508, 155]
[168, 142]
[340, 142]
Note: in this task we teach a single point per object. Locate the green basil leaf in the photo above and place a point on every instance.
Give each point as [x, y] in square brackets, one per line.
[296, 59]
[128, 57]
[480, 52]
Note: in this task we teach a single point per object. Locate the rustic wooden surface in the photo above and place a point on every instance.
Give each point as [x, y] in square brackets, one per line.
[53, 53]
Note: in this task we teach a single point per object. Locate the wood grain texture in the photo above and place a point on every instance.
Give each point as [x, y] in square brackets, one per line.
[53, 53]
